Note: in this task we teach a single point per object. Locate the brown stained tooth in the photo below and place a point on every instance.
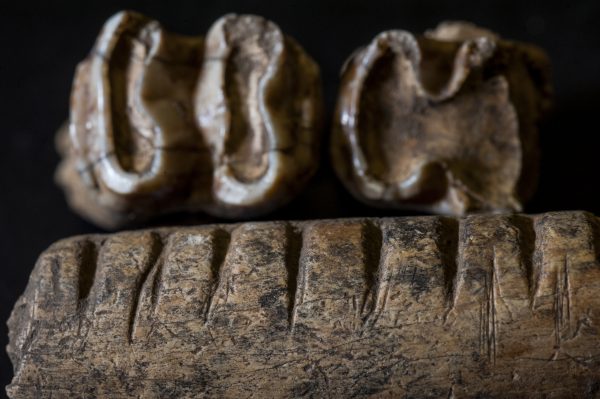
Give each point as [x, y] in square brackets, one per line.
[484, 306]
[131, 117]
[444, 122]
[162, 123]
[257, 105]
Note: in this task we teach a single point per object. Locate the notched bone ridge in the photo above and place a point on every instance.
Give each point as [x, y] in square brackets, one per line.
[486, 294]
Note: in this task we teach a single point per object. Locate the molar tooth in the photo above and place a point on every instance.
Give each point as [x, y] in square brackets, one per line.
[458, 97]
[244, 101]
[161, 122]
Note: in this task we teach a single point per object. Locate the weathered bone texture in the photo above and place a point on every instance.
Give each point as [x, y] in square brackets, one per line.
[445, 122]
[485, 306]
[160, 123]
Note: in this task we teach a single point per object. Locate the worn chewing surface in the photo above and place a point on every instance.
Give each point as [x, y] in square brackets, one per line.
[484, 306]
[227, 124]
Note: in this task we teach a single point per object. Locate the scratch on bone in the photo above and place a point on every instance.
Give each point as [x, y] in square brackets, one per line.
[488, 314]
[562, 305]
[493, 320]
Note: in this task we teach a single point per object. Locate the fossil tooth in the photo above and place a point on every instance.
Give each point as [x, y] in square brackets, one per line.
[131, 107]
[257, 104]
[445, 122]
[162, 123]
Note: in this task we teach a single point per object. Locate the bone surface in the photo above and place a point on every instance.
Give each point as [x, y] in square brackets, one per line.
[482, 306]
[445, 122]
[226, 124]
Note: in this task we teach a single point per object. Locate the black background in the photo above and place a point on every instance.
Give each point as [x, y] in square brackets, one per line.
[40, 44]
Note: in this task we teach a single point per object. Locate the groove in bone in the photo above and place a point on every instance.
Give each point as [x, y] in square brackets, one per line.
[346, 296]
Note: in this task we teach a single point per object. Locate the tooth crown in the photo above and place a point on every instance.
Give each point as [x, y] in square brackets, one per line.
[445, 122]
[159, 122]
